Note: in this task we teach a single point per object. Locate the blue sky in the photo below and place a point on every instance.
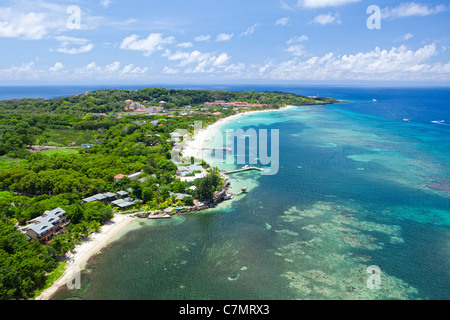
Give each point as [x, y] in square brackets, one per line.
[224, 41]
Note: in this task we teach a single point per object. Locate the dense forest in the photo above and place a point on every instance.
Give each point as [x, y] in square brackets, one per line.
[32, 182]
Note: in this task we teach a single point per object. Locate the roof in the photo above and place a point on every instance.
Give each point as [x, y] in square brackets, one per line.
[180, 196]
[122, 193]
[119, 176]
[45, 222]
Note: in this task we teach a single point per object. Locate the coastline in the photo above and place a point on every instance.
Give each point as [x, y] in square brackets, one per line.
[86, 249]
[120, 222]
[193, 148]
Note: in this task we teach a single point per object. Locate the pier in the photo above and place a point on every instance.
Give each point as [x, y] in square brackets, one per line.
[244, 168]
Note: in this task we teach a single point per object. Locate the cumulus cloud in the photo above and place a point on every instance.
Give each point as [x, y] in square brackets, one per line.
[152, 43]
[57, 67]
[35, 20]
[109, 71]
[398, 63]
[411, 9]
[198, 62]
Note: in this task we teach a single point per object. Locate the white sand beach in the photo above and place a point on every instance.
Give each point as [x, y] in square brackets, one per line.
[193, 148]
[87, 249]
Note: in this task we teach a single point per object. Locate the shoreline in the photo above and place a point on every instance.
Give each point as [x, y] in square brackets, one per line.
[193, 148]
[88, 248]
[95, 242]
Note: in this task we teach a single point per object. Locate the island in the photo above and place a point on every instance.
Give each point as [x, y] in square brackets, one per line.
[71, 165]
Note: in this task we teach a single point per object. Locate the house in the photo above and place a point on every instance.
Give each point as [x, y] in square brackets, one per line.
[47, 226]
[190, 173]
[179, 196]
[122, 193]
[119, 177]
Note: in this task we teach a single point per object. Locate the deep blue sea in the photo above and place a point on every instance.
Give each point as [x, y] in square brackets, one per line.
[357, 187]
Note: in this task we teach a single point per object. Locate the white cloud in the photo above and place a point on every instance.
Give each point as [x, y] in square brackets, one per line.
[411, 9]
[57, 67]
[407, 36]
[109, 71]
[299, 39]
[168, 70]
[17, 24]
[325, 19]
[250, 30]
[296, 50]
[152, 43]
[71, 45]
[282, 21]
[202, 38]
[324, 3]
[35, 20]
[224, 37]
[398, 63]
[105, 3]
[198, 62]
[185, 45]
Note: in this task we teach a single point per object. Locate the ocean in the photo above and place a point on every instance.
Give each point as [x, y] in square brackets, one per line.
[359, 209]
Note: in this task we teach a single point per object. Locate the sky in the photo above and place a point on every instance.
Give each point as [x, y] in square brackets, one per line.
[224, 41]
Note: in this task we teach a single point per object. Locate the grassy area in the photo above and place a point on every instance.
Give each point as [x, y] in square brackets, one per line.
[65, 137]
[59, 151]
[52, 277]
[7, 163]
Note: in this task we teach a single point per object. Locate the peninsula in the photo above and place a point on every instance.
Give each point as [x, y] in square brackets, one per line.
[100, 158]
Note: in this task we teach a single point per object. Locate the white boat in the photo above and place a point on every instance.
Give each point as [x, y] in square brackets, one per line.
[228, 196]
[374, 100]
[439, 122]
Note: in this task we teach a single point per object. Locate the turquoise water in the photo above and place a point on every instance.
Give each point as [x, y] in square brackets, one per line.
[355, 188]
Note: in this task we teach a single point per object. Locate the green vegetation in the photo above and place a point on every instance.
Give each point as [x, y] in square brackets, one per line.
[123, 143]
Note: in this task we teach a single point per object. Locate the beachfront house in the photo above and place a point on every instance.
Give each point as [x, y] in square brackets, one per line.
[47, 226]
[190, 173]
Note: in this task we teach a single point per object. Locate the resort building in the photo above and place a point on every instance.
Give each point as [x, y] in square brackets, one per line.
[190, 173]
[47, 226]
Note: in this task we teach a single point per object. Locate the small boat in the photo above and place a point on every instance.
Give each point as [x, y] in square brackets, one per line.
[228, 196]
[406, 120]
[374, 100]
[438, 122]
[159, 216]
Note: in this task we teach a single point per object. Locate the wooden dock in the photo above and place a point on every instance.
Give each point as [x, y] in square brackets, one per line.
[244, 168]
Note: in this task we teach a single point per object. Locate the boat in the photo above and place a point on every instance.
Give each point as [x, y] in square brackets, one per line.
[374, 100]
[228, 196]
[406, 120]
[159, 216]
[438, 122]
